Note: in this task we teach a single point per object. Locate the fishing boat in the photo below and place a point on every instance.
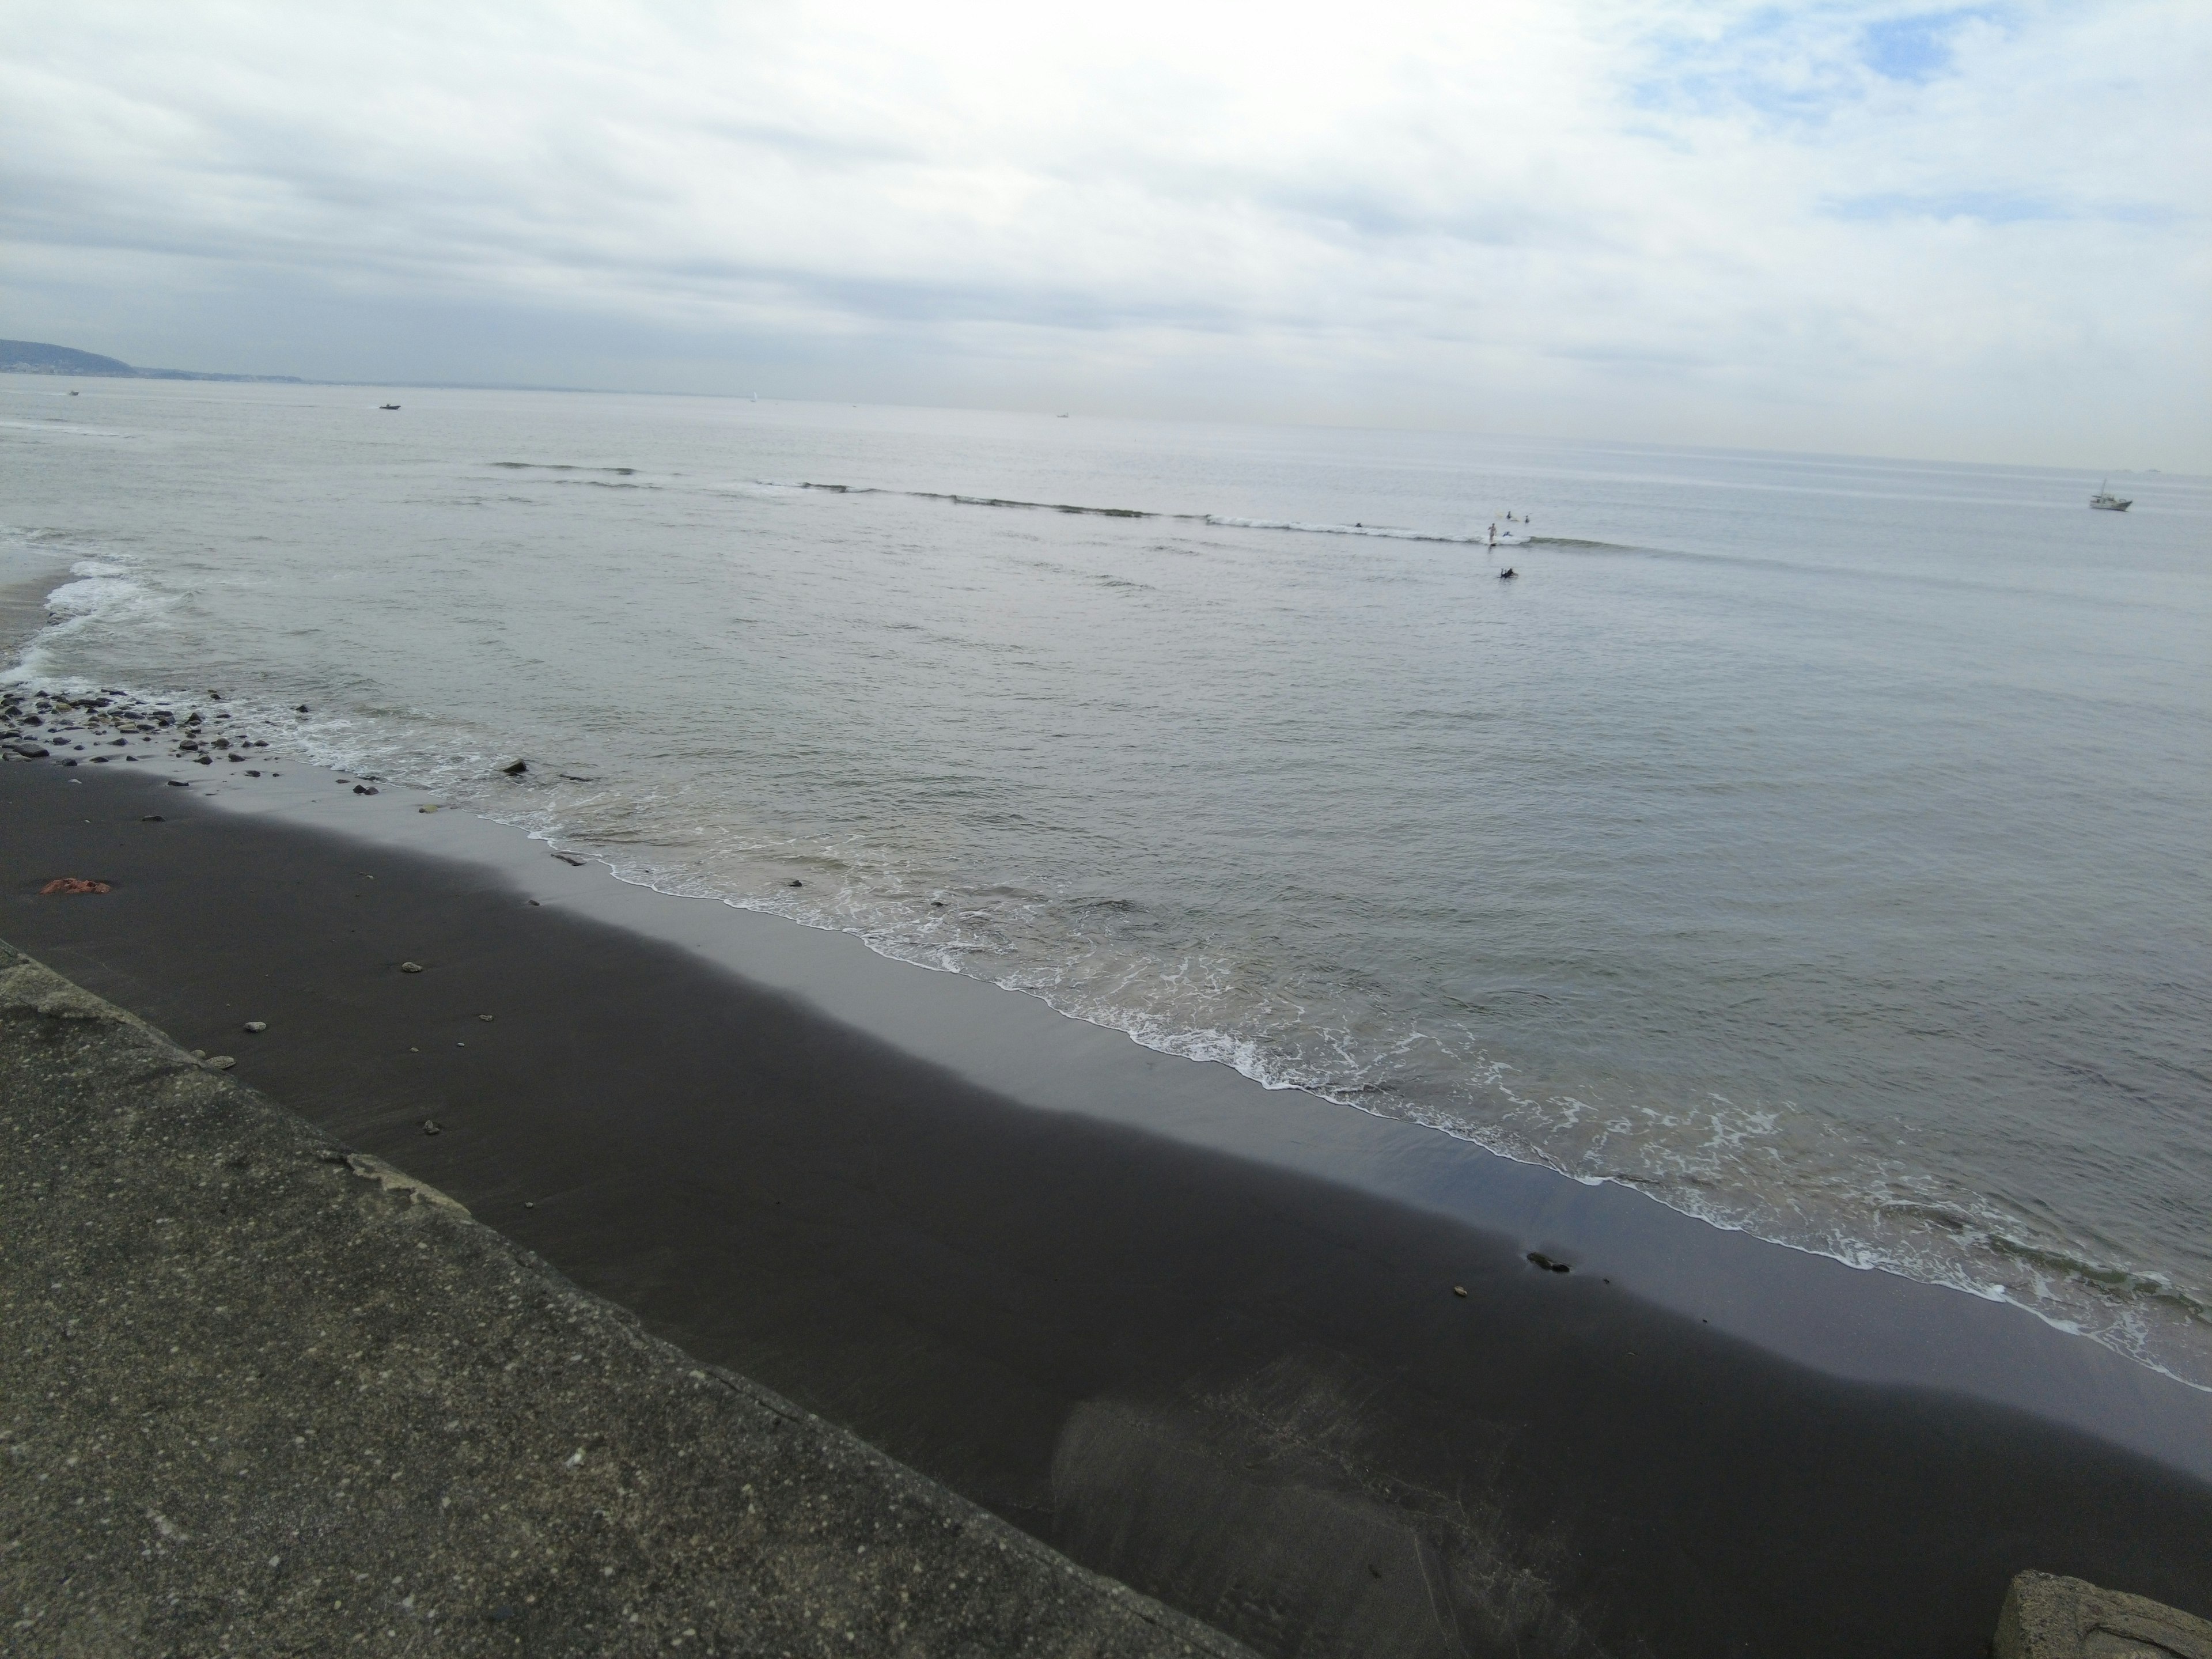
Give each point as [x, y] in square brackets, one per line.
[2104, 502]
[387, 405]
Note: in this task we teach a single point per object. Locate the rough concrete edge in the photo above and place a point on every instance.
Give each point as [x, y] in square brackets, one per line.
[28, 983]
[2048, 1615]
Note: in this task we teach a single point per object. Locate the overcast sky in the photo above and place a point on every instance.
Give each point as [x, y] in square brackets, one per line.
[1978, 233]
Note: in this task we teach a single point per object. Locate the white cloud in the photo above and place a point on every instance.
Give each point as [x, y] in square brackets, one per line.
[1974, 231]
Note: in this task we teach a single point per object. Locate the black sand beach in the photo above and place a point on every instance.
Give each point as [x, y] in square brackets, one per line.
[1252, 1393]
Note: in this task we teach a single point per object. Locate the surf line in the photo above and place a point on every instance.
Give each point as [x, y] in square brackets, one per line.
[1219, 520]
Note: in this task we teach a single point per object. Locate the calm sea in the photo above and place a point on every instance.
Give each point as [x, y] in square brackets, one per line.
[1817, 844]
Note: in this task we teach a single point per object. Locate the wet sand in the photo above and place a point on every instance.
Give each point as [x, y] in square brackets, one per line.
[1249, 1391]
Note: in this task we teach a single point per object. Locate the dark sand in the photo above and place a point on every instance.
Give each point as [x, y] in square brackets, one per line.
[1248, 1392]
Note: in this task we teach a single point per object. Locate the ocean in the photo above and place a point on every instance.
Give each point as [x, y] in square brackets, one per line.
[1814, 843]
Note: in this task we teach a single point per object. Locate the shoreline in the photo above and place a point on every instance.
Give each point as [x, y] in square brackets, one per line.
[1198, 1335]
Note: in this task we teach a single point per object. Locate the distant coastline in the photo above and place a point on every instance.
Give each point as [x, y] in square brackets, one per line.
[36, 357]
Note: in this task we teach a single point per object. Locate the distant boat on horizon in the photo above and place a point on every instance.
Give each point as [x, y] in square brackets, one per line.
[2104, 502]
[387, 405]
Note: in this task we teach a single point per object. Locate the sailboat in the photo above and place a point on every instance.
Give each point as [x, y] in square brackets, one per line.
[2104, 502]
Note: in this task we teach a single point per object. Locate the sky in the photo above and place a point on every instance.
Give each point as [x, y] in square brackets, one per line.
[1974, 233]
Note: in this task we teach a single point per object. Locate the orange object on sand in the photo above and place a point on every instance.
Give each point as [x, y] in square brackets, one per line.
[76, 884]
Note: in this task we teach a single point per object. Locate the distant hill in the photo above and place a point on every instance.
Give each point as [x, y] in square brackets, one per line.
[33, 357]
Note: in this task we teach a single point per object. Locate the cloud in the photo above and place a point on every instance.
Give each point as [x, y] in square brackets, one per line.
[1841, 225]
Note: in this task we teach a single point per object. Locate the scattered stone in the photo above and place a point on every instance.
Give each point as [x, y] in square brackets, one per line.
[180, 783]
[2046, 1616]
[410, 967]
[1547, 1264]
[430, 1126]
[250, 771]
[517, 770]
[257, 1025]
[363, 789]
[27, 750]
[485, 1017]
[1459, 1291]
[794, 882]
[153, 817]
[220, 1062]
[301, 709]
[425, 809]
[64, 886]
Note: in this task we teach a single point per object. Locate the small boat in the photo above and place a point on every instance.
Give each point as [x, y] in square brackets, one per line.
[2104, 502]
[387, 405]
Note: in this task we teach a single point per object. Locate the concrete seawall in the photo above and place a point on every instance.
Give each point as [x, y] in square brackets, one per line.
[260, 1395]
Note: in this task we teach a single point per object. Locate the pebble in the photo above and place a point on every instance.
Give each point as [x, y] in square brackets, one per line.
[153, 817]
[1547, 1264]
[410, 967]
[517, 770]
[430, 1126]
[1459, 1290]
[794, 882]
[362, 788]
[220, 1062]
[485, 1017]
[256, 1024]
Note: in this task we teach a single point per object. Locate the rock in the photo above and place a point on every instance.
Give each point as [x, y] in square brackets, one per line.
[2049, 1617]
[301, 709]
[220, 1062]
[256, 1024]
[794, 882]
[517, 770]
[1459, 1290]
[180, 783]
[153, 817]
[485, 1017]
[27, 750]
[410, 967]
[358, 789]
[430, 1126]
[1547, 1264]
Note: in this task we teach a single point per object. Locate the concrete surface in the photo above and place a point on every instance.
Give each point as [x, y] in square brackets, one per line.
[2049, 1617]
[261, 1397]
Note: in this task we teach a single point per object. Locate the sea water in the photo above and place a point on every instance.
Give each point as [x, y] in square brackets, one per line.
[1815, 843]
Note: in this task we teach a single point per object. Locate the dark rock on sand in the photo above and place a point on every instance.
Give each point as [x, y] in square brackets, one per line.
[517, 770]
[1547, 1264]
